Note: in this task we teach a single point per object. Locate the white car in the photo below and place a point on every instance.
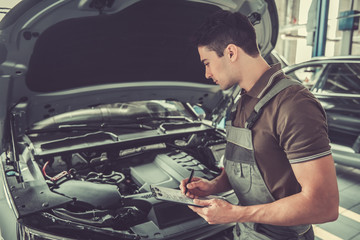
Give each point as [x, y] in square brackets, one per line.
[97, 103]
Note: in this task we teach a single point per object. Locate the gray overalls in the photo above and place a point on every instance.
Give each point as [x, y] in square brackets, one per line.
[246, 179]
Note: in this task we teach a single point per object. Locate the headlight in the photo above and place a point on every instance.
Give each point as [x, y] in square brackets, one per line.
[26, 233]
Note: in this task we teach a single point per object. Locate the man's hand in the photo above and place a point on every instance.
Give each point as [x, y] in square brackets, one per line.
[215, 211]
[198, 187]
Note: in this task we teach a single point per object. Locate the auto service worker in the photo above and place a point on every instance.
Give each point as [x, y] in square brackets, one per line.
[277, 158]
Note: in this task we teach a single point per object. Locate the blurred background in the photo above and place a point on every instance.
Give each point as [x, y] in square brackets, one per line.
[298, 21]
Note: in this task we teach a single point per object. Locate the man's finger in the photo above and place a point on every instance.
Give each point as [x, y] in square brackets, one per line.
[202, 202]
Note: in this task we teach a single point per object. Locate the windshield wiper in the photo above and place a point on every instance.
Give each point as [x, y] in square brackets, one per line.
[99, 136]
[168, 118]
[89, 127]
[172, 122]
[175, 126]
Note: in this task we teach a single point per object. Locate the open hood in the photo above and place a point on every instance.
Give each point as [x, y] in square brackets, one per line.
[61, 55]
[101, 99]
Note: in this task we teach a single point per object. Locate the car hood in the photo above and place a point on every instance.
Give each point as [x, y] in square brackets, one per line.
[62, 55]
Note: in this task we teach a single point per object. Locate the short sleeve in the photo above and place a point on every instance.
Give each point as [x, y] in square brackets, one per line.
[301, 125]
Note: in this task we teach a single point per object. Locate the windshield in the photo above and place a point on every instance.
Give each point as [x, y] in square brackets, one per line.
[119, 113]
[151, 109]
[117, 123]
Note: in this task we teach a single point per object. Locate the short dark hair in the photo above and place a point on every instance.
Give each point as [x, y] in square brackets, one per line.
[224, 28]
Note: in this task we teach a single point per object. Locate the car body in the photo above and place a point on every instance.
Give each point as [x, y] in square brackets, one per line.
[335, 81]
[274, 57]
[100, 100]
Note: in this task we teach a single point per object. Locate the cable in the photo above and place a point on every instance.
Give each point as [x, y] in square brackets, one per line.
[44, 170]
[56, 177]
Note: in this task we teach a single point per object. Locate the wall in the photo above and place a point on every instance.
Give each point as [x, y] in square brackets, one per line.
[293, 18]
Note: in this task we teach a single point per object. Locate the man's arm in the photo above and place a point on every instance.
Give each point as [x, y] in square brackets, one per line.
[221, 183]
[317, 202]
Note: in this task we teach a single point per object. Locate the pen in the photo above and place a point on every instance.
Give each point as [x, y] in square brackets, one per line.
[189, 180]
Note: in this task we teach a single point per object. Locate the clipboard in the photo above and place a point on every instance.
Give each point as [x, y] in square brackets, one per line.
[175, 195]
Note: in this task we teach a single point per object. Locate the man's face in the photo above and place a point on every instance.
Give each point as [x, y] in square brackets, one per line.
[216, 68]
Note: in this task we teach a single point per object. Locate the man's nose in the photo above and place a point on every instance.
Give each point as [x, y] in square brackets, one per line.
[208, 74]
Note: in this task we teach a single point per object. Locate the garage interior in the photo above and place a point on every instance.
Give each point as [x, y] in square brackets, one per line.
[308, 29]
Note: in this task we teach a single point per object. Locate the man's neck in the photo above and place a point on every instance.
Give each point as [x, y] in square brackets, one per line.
[252, 70]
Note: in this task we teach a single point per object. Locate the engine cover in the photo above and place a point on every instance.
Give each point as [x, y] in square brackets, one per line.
[99, 195]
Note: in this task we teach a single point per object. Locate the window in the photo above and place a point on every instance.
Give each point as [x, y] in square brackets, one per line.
[343, 78]
[308, 75]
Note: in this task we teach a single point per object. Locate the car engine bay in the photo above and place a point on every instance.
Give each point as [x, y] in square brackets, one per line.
[106, 191]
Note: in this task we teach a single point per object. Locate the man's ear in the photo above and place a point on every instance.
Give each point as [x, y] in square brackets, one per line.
[231, 51]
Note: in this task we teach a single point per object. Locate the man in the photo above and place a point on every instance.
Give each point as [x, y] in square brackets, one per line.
[277, 158]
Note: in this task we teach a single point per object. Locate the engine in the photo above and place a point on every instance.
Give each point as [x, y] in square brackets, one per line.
[111, 188]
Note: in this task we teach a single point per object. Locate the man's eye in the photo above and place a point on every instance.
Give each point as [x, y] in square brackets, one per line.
[206, 64]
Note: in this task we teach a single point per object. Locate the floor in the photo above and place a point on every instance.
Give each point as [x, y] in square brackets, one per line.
[347, 226]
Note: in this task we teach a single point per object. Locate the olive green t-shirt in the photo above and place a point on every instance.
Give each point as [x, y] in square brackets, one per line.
[291, 129]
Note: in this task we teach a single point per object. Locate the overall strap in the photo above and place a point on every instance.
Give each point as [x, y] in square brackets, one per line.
[258, 109]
